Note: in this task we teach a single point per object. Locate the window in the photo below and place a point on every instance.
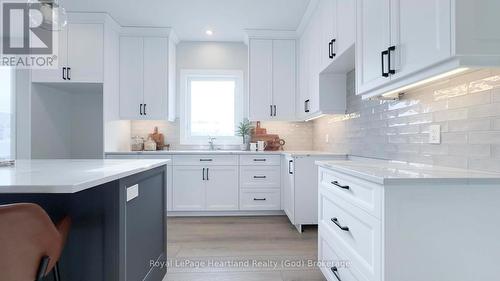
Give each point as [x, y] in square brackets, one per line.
[211, 106]
[6, 113]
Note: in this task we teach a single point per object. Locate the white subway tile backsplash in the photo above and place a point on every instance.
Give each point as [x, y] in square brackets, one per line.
[487, 110]
[491, 137]
[449, 115]
[466, 107]
[469, 125]
[496, 95]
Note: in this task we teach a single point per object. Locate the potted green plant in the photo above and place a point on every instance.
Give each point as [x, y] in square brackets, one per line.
[243, 131]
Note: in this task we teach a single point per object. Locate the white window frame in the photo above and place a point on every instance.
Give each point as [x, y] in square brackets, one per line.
[186, 75]
[13, 108]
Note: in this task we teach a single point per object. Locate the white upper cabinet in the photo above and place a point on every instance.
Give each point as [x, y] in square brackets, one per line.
[326, 37]
[284, 79]
[146, 76]
[373, 40]
[396, 49]
[420, 43]
[131, 77]
[272, 80]
[260, 80]
[80, 58]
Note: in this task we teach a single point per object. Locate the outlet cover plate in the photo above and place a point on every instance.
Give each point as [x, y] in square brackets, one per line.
[435, 134]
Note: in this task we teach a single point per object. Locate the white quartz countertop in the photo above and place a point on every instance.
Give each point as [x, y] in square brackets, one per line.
[227, 152]
[68, 176]
[394, 172]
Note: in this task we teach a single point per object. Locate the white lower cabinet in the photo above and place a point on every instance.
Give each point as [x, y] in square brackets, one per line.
[197, 188]
[222, 188]
[189, 190]
[260, 183]
[300, 189]
[214, 183]
[406, 228]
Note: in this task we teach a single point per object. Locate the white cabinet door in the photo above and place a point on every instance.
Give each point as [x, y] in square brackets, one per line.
[327, 14]
[315, 63]
[85, 52]
[346, 25]
[261, 83]
[419, 43]
[303, 95]
[188, 188]
[288, 189]
[156, 78]
[56, 74]
[222, 188]
[373, 37]
[284, 79]
[131, 77]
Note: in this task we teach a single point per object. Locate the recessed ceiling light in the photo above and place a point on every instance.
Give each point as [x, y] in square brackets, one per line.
[209, 32]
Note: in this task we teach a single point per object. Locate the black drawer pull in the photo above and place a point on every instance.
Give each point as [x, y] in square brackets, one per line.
[206, 160]
[259, 199]
[336, 183]
[259, 177]
[336, 222]
[335, 272]
[259, 160]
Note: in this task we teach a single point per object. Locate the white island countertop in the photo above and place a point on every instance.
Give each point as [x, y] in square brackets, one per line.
[68, 176]
[395, 172]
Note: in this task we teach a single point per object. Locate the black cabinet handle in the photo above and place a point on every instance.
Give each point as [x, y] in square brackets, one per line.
[64, 73]
[207, 175]
[68, 73]
[203, 173]
[390, 51]
[335, 272]
[332, 48]
[384, 53]
[290, 167]
[275, 110]
[145, 109]
[306, 104]
[336, 222]
[259, 177]
[271, 110]
[206, 160]
[259, 160]
[259, 199]
[140, 109]
[336, 183]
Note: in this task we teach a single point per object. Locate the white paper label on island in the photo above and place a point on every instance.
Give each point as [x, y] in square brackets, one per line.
[132, 192]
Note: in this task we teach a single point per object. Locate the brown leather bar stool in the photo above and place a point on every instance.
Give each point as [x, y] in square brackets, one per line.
[30, 243]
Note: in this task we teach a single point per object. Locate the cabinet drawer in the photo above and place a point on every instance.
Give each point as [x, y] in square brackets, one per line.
[260, 200]
[364, 194]
[205, 160]
[334, 262]
[260, 160]
[260, 177]
[359, 232]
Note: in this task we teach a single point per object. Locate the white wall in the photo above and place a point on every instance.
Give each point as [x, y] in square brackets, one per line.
[66, 121]
[212, 55]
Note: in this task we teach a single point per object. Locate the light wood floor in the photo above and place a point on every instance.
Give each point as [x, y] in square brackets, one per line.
[240, 249]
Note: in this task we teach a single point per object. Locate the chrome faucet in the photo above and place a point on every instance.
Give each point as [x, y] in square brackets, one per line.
[211, 141]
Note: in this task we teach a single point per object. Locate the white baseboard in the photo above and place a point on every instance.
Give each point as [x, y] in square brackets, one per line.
[225, 213]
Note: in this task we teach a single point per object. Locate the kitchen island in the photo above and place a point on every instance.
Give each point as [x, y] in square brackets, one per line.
[117, 208]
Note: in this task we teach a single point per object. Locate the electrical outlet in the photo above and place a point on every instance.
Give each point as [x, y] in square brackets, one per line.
[435, 134]
[327, 138]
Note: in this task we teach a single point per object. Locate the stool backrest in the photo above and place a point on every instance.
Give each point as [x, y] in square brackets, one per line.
[27, 234]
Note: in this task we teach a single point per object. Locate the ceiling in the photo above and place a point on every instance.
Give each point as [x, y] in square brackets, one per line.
[191, 18]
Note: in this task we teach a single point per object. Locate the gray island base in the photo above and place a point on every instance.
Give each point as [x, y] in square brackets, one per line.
[115, 235]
